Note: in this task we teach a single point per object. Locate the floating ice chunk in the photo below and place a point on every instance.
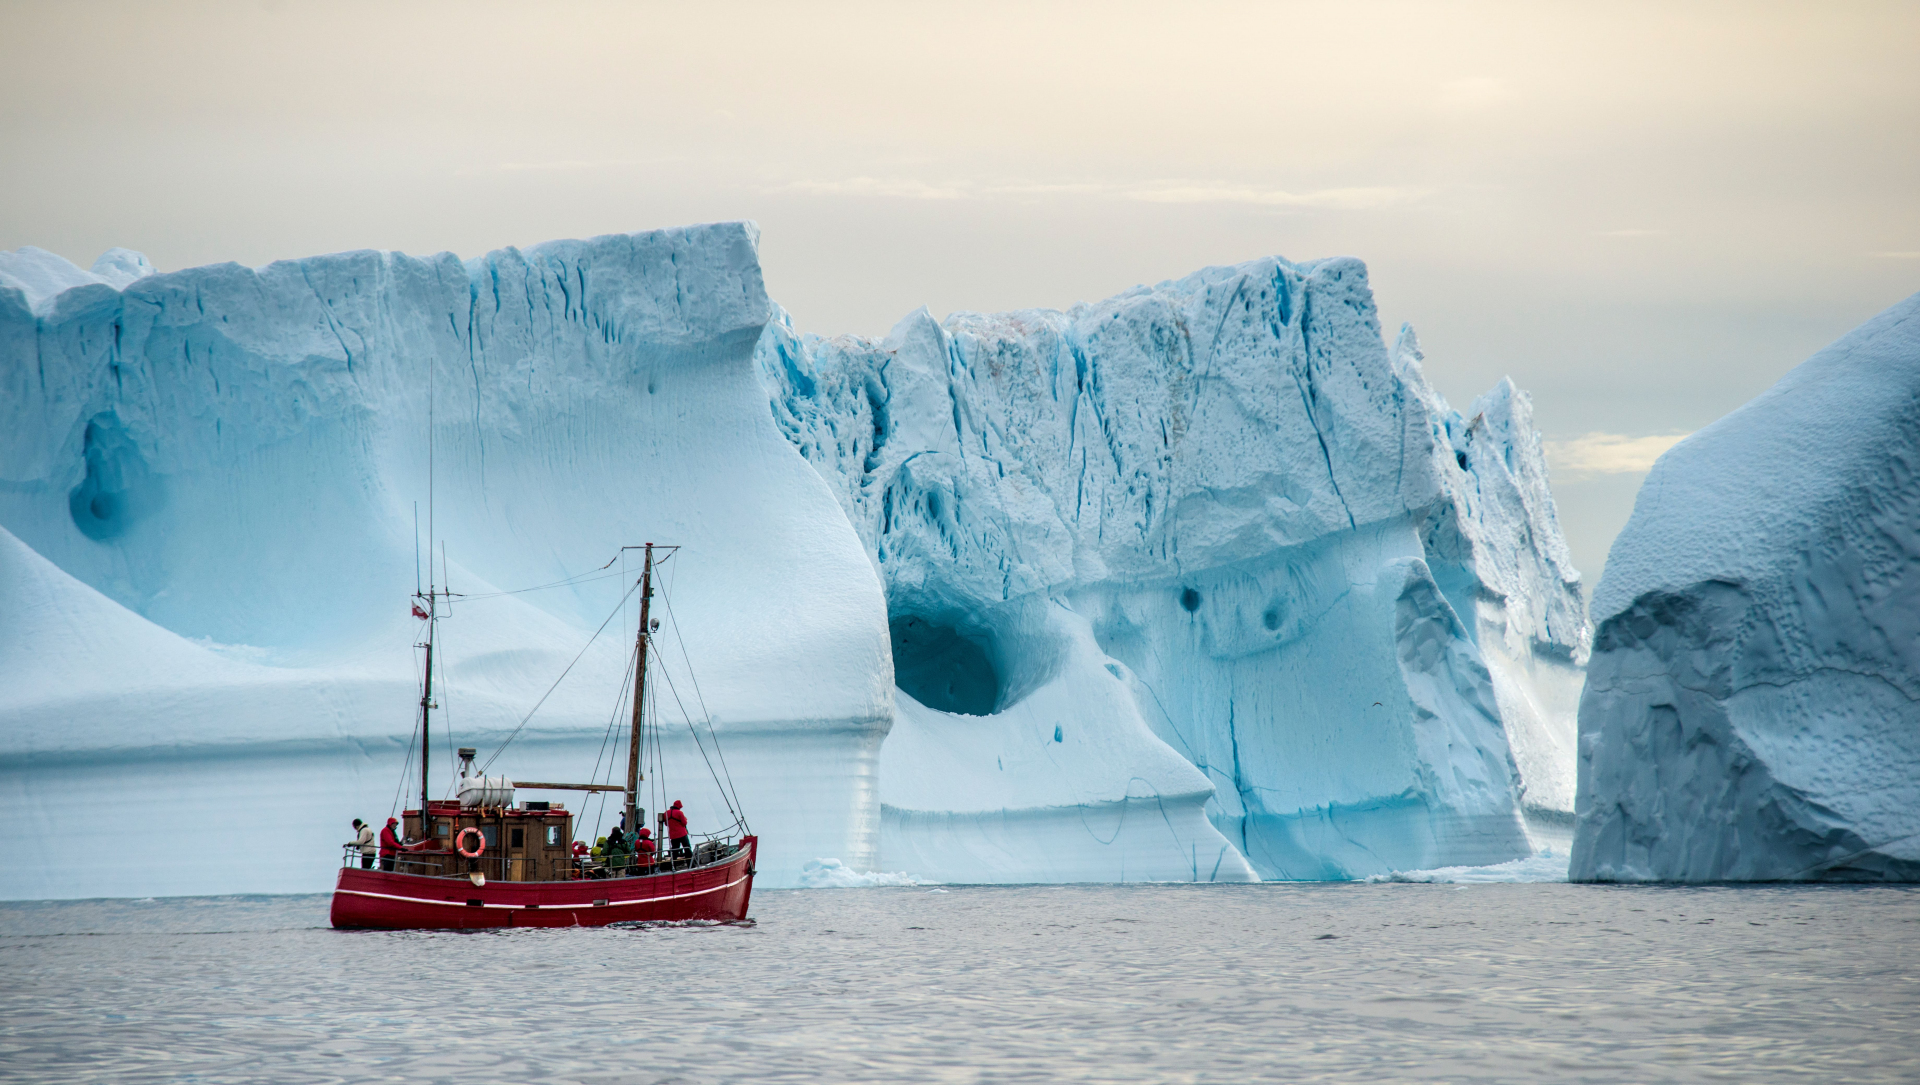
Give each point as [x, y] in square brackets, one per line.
[833, 874]
[1548, 866]
[1752, 708]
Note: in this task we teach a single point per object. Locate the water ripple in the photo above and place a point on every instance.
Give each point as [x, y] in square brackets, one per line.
[1335, 983]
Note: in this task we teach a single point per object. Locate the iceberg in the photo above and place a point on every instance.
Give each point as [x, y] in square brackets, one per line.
[1752, 707]
[1203, 554]
[208, 482]
[1201, 582]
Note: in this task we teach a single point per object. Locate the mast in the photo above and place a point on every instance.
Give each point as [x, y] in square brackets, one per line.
[639, 695]
[426, 708]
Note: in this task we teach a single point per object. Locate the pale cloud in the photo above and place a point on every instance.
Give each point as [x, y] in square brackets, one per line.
[1594, 454]
[907, 188]
[1914, 255]
[558, 166]
[1342, 199]
[1630, 232]
[899, 188]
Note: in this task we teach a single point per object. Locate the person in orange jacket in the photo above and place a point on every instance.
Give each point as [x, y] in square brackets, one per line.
[643, 850]
[677, 832]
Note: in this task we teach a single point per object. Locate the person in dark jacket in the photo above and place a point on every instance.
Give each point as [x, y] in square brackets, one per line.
[677, 832]
[617, 852]
[390, 845]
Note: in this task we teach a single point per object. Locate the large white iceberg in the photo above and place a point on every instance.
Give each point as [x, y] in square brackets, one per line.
[1205, 546]
[1203, 582]
[208, 483]
[1752, 709]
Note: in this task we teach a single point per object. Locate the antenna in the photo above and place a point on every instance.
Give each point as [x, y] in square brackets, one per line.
[430, 534]
[416, 548]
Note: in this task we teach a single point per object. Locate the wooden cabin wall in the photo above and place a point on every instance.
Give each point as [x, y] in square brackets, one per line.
[538, 856]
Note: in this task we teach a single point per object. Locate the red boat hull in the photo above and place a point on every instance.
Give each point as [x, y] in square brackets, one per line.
[372, 899]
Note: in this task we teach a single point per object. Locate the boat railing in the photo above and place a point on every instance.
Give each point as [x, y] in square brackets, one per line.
[713, 848]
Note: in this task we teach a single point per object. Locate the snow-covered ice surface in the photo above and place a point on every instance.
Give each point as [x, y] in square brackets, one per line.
[1199, 582]
[1752, 709]
[1203, 582]
[231, 456]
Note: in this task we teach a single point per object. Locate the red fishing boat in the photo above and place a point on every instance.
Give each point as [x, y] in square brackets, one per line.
[484, 859]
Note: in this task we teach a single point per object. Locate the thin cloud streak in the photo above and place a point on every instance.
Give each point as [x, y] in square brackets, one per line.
[1356, 198]
[1341, 199]
[1594, 454]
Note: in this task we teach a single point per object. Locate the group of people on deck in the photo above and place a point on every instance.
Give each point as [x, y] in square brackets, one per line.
[620, 855]
[623, 855]
[390, 844]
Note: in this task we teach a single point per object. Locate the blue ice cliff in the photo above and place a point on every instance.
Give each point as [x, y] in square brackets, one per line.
[1201, 582]
[1214, 518]
[1752, 709]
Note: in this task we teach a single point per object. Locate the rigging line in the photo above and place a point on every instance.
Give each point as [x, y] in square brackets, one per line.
[394, 809]
[658, 790]
[600, 811]
[695, 731]
[407, 765]
[705, 712]
[584, 578]
[446, 716]
[673, 620]
[612, 721]
[556, 682]
[430, 368]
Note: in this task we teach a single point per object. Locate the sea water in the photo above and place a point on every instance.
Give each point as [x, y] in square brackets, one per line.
[1276, 982]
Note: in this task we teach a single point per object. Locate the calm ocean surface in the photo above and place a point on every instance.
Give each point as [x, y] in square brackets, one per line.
[1481, 983]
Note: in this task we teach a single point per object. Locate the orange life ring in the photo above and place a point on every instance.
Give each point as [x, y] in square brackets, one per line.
[480, 842]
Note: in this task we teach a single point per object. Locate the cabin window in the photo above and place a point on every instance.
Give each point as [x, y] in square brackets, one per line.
[440, 828]
[519, 838]
[491, 834]
[553, 836]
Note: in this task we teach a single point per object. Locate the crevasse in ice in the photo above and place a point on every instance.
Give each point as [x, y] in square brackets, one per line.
[1205, 546]
[1752, 709]
[1202, 582]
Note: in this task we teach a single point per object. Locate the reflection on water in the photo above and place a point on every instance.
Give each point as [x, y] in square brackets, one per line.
[1213, 983]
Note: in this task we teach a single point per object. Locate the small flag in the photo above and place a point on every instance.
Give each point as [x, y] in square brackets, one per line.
[419, 613]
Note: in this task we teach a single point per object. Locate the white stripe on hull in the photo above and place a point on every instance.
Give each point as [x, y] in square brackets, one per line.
[545, 907]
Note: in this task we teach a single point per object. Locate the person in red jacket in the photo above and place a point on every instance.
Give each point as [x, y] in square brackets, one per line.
[390, 845]
[677, 832]
[643, 851]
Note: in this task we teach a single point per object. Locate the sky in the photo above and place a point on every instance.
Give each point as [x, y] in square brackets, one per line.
[1643, 214]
